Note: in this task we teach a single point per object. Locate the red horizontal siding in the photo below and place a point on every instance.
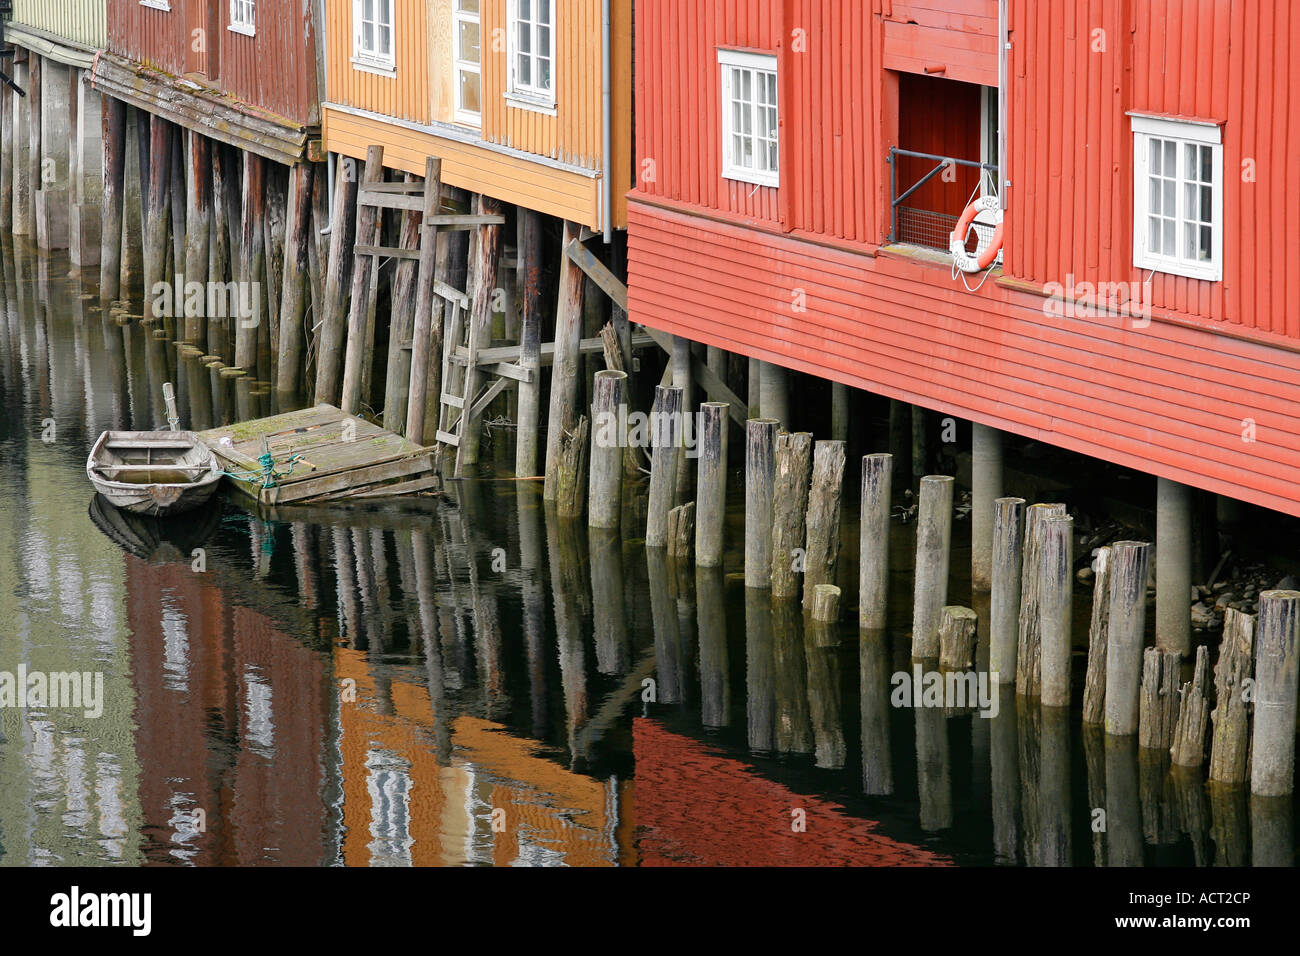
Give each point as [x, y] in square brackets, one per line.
[1167, 399]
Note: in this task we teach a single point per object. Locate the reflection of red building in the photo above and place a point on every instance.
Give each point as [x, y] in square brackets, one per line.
[207, 671]
[697, 807]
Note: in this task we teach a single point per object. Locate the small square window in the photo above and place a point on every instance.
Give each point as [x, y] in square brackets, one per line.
[1178, 197]
[749, 117]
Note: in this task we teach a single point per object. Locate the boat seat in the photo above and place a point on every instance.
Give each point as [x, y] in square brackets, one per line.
[159, 466]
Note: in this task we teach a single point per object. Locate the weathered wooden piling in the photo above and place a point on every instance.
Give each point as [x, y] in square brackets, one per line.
[1094, 686]
[1125, 632]
[252, 262]
[821, 654]
[1272, 772]
[1230, 721]
[155, 239]
[1158, 704]
[933, 540]
[482, 272]
[295, 292]
[570, 470]
[822, 547]
[873, 541]
[1028, 650]
[364, 267]
[198, 227]
[338, 277]
[565, 384]
[1005, 579]
[874, 680]
[425, 386]
[760, 681]
[715, 682]
[113, 131]
[957, 636]
[1173, 566]
[789, 511]
[986, 486]
[665, 443]
[1056, 590]
[608, 436]
[711, 484]
[760, 482]
[680, 360]
[530, 341]
[681, 531]
[1188, 749]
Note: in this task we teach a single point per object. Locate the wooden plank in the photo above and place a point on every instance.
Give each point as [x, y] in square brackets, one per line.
[455, 401]
[450, 294]
[596, 270]
[338, 481]
[392, 252]
[490, 393]
[401, 488]
[508, 370]
[447, 438]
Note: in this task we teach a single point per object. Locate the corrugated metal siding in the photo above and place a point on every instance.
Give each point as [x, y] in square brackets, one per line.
[1169, 399]
[678, 94]
[1227, 61]
[81, 21]
[274, 70]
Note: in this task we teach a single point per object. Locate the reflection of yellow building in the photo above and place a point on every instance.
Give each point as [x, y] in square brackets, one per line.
[400, 806]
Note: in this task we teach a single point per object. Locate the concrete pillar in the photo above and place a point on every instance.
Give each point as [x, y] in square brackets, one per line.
[86, 170]
[1173, 567]
[19, 137]
[986, 487]
[773, 395]
[56, 131]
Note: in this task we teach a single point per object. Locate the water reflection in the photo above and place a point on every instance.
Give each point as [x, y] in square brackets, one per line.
[477, 681]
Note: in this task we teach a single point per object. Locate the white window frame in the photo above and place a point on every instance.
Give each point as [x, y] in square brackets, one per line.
[368, 60]
[469, 117]
[1182, 133]
[162, 5]
[247, 28]
[529, 95]
[729, 61]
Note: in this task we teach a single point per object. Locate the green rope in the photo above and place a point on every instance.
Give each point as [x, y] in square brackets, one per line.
[268, 476]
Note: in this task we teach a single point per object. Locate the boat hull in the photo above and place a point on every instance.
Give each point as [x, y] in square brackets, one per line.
[170, 455]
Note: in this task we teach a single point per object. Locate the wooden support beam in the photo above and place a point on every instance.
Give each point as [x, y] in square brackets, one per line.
[564, 375]
[426, 336]
[714, 387]
[113, 120]
[293, 298]
[252, 259]
[483, 275]
[597, 271]
[198, 226]
[338, 277]
[363, 291]
[397, 379]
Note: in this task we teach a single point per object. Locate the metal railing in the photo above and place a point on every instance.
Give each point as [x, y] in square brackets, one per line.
[926, 227]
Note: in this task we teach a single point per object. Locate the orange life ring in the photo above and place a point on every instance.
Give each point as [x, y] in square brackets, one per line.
[957, 241]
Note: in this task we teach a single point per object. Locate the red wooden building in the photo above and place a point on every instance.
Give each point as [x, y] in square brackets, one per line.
[1143, 310]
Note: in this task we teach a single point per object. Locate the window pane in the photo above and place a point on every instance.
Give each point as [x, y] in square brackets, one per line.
[737, 148]
[1169, 240]
[1189, 241]
[543, 11]
[1153, 234]
[469, 91]
[469, 6]
[367, 10]
[1153, 199]
[747, 86]
[1207, 247]
[771, 156]
[525, 70]
[525, 39]
[1153, 157]
[1207, 164]
[1207, 208]
[367, 35]
[1167, 206]
[543, 40]
[524, 10]
[469, 41]
[1171, 158]
[543, 73]
[1190, 164]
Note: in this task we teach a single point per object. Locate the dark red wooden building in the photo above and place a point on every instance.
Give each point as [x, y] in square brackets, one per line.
[1143, 308]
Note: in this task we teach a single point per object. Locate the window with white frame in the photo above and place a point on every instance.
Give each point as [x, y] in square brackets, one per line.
[749, 116]
[1178, 197]
[162, 5]
[469, 62]
[372, 34]
[241, 16]
[531, 48]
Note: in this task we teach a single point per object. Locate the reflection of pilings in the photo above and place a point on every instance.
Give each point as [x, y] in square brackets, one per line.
[1272, 835]
[346, 579]
[608, 610]
[1031, 757]
[304, 566]
[568, 586]
[715, 686]
[1054, 787]
[822, 652]
[682, 585]
[1192, 809]
[1094, 756]
[528, 500]
[760, 686]
[793, 725]
[1123, 820]
[1157, 815]
[487, 618]
[425, 588]
[663, 612]
[933, 770]
[873, 701]
[1004, 758]
[1228, 824]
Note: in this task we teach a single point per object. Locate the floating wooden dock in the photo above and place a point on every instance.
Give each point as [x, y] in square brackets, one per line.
[341, 456]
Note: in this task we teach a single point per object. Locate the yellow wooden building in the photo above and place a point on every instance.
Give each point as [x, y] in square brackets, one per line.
[526, 101]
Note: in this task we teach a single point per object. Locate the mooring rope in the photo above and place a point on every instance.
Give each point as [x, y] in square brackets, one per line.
[269, 476]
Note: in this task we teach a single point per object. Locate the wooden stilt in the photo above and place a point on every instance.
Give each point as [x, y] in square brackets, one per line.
[822, 551]
[1094, 688]
[198, 210]
[774, 395]
[368, 221]
[113, 120]
[483, 272]
[760, 484]
[933, 541]
[1230, 738]
[711, 490]
[1004, 603]
[608, 437]
[155, 253]
[1188, 749]
[873, 541]
[1057, 589]
[7, 96]
[427, 331]
[220, 338]
[789, 511]
[665, 438]
[1028, 651]
[530, 260]
[293, 299]
[277, 216]
[176, 205]
[839, 411]
[957, 637]
[401, 321]
[1158, 702]
[681, 364]
[1125, 631]
[564, 370]
[1272, 772]
[338, 277]
[252, 262]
